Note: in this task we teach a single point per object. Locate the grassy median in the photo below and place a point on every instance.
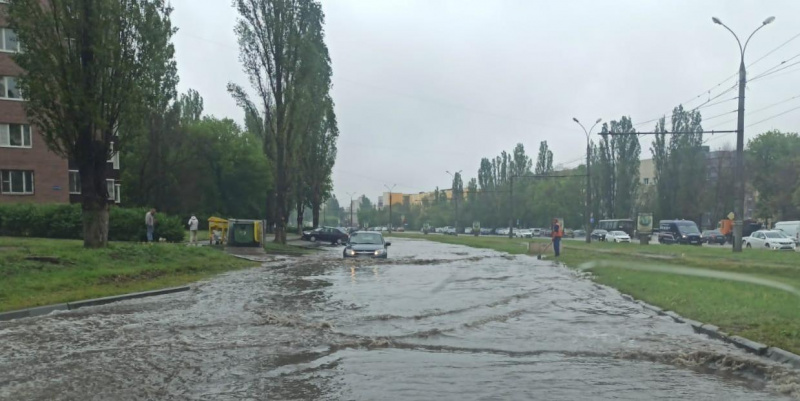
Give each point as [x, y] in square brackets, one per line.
[757, 312]
[37, 271]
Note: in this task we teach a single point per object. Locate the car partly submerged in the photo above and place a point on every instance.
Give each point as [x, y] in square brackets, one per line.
[367, 244]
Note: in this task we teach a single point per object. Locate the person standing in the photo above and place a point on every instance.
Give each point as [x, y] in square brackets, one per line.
[193, 222]
[556, 234]
[150, 222]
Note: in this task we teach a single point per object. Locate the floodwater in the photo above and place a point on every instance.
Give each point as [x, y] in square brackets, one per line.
[434, 321]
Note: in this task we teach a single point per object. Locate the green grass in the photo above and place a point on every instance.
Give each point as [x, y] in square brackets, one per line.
[760, 313]
[202, 236]
[73, 273]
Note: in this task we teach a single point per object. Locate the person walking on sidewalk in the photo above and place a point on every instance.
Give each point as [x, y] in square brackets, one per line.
[556, 234]
[193, 222]
[150, 222]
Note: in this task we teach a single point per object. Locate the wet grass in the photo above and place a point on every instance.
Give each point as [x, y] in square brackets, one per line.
[35, 271]
[760, 313]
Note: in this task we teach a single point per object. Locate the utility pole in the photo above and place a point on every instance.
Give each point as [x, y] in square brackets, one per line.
[453, 191]
[588, 216]
[351, 207]
[738, 206]
[390, 205]
[511, 208]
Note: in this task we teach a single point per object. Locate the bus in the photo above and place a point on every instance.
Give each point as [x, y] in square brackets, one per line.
[626, 225]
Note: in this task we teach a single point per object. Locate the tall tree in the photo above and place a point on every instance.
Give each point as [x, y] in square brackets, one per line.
[619, 168]
[458, 187]
[274, 39]
[773, 163]
[544, 162]
[88, 64]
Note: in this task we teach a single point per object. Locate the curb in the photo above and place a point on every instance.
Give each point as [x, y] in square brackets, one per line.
[44, 310]
[776, 354]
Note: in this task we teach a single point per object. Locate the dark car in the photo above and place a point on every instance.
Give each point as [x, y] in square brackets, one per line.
[366, 244]
[679, 232]
[599, 234]
[333, 235]
[579, 233]
[713, 237]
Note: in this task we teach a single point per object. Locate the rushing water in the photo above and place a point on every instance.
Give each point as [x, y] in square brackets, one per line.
[433, 322]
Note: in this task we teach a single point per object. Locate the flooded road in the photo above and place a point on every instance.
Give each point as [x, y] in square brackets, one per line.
[434, 321]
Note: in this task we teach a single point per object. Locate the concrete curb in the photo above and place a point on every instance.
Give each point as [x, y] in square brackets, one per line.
[776, 354]
[44, 310]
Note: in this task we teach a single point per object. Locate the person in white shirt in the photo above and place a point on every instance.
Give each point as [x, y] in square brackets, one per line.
[193, 222]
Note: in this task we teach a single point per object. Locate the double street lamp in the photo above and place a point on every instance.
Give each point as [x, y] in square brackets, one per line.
[588, 178]
[455, 199]
[738, 206]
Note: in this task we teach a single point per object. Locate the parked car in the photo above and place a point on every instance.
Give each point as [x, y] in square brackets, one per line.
[486, 230]
[769, 239]
[501, 231]
[791, 228]
[546, 232]
[369, 244]
[449, 230]
[523, 233]
[334, 235]
[468, 230]
[439, 230]
[713, 237]
[537, 232]
[679, 232]
[579, 233]
[569, 233]
[617, 236]
[599, 235]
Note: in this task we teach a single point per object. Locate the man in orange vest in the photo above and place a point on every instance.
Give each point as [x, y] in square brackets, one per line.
[557, 234]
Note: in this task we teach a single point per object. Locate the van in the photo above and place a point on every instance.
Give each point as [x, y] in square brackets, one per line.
[791, 228]
[679, 232]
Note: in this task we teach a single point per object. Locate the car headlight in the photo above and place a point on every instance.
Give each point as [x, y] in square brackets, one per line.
[351, 252]
[684, 235]
[380, 252]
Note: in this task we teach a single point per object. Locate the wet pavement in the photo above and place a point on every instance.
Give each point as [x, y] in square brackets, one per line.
[434, 321]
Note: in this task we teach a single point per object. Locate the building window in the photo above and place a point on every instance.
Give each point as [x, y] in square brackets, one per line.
[114, 156]
[9, 41]
[74, 182]
[646, 181]
[117, 195]
[110, 188]
[15, 136]
[16, 182]
[8, 88]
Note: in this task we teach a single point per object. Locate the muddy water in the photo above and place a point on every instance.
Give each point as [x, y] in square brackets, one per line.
[433, 322]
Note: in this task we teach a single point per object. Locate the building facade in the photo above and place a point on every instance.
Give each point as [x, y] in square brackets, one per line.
[29, 171]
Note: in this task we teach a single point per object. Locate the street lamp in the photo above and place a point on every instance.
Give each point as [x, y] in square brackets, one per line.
[738, 206]
[588, 178]
[351, 207]
[390, 205]
[453, 191]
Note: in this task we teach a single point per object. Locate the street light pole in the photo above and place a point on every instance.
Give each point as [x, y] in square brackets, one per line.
[390, 205]
[588, 179]
[738, 206]
[453, 191]
[351, 207]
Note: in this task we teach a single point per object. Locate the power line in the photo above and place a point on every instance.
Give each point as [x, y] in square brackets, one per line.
[775, 116]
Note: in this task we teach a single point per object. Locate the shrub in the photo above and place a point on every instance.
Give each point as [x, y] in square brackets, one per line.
[64, 221]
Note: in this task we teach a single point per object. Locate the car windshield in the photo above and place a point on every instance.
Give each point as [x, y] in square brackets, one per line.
[366, 238]
[618, 233]
[774, 234]
[688, 228]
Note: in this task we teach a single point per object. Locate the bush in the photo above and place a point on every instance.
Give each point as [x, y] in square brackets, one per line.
[64, 221]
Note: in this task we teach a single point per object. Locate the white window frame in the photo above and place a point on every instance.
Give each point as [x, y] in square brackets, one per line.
[25, 191]
[69, 182]
[110, 186]
[3, 41]
[5, 136]
[114, 156]
[117, 193]
[4, 95]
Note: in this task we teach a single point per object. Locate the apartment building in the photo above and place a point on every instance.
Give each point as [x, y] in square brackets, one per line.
[29, 171]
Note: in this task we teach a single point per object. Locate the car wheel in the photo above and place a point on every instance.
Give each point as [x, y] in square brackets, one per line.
[313, 238]
[748, 245]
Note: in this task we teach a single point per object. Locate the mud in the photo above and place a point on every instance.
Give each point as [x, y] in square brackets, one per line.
[433, 321]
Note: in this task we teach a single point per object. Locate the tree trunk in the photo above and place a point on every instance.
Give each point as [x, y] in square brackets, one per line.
[281, 206]
[300, 212]
[94, 205]
[315, 215]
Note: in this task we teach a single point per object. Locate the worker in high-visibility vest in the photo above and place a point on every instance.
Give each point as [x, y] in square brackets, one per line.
[557, 233]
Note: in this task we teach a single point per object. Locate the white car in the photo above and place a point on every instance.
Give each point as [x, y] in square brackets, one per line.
[769, 239]
[618, 236]
[523, 233]
[501, 231]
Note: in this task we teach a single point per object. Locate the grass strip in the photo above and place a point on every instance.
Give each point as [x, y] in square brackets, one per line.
[37, 271]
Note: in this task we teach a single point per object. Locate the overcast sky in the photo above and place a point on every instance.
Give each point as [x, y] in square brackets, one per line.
[426, 86]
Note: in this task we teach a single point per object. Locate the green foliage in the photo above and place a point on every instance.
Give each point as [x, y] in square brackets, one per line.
[65, 222]
[617, 169]
[773, 162]
[544, 162]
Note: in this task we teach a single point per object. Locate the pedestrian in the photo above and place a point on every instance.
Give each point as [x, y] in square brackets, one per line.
[193, 222]
[556, 234]
[150, 222]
